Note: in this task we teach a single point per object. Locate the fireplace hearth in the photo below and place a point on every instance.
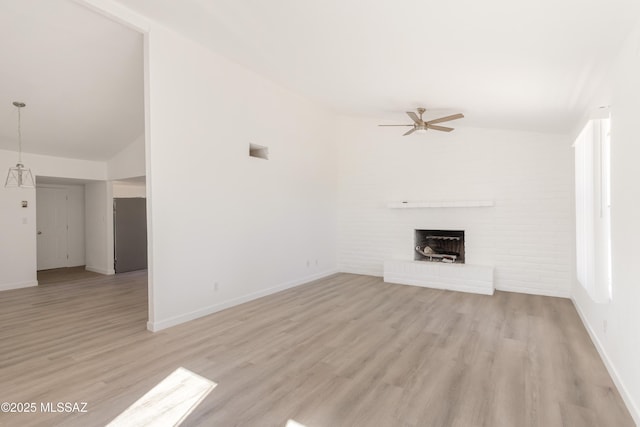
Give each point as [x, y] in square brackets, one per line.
[439, 246]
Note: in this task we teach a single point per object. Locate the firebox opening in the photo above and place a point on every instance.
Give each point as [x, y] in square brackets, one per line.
[439, 246]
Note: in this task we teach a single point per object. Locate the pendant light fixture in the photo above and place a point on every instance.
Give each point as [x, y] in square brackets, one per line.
[19, 176]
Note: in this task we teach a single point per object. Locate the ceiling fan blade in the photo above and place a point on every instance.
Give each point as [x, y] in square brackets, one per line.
[441, 128]
[409, 132]
[395, 125]
[414, 117]
[445, 119]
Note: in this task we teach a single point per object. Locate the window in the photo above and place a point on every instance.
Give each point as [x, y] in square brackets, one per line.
[593, 236]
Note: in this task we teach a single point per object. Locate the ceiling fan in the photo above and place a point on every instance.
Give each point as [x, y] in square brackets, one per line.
[420, 126]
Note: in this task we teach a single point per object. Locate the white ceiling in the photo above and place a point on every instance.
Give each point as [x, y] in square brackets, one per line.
[503, 63]
[80, 74]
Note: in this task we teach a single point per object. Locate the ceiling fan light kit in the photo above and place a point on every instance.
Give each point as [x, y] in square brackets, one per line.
[19, 176]
[420, 126]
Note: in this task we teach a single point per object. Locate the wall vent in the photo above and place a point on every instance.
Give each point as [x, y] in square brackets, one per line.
[258, 151]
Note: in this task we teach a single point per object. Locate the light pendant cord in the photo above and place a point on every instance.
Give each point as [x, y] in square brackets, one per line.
[19, 138]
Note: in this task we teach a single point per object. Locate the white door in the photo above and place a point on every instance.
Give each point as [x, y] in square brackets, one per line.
[51, 219]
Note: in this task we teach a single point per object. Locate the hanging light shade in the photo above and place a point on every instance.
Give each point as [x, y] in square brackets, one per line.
[19, 176]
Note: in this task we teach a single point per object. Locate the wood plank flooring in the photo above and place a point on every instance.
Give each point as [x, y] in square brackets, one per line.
[347, 350]
[65, 274]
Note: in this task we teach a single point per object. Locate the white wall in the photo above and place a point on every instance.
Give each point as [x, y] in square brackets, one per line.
[252, 226]
[59, 167]
[526, 236]
[18, 225]
[614, 326]
[76, 233]
[130, 162]
[18, 231]
[128, 190]
[99, 227]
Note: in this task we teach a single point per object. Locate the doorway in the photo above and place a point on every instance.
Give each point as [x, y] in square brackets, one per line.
[59, 226]
[130, 234]
[129, 224]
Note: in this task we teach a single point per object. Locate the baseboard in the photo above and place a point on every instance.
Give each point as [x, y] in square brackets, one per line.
[108, 272]
[362, 271]
[17, 285]
[534, 291]
[617, 379]
[176, 320]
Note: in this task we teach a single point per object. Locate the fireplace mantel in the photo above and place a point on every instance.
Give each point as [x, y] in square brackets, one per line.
[442, 204]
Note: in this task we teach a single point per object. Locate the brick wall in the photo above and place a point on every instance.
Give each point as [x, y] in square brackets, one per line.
[527, 236]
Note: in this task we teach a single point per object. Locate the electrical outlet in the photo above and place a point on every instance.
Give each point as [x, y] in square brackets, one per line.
[604, 326]
[215, 286]
[308, 263]
[316, 263]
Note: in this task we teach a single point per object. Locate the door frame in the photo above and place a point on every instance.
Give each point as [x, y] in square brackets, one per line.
[118, 13]
[75, 223]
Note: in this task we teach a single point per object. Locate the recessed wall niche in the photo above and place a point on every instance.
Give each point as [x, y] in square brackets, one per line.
[258, 151]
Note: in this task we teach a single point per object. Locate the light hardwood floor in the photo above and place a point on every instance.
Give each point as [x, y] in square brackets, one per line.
[65, 275]
[347, 350]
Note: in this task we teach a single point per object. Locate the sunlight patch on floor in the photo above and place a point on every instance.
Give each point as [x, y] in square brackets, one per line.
[168, 403]
[294, 423]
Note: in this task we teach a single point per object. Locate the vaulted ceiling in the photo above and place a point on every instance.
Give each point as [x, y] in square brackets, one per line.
[534, 65]
[531, 64]
[80, 74]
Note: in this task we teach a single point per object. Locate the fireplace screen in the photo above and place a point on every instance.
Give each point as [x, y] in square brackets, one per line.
[439, 246]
